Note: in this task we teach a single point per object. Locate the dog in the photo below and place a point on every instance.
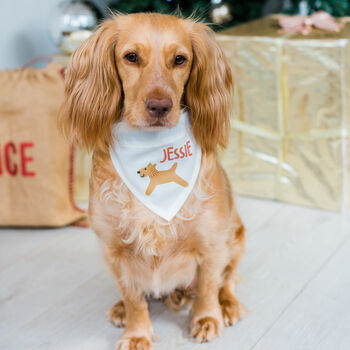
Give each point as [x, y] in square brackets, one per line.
[143, 69]
[160, 177]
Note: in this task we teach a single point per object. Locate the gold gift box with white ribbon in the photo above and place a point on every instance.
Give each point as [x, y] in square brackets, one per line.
[291, 117]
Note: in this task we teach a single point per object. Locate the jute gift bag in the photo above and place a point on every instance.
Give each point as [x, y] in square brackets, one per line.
[36, 163]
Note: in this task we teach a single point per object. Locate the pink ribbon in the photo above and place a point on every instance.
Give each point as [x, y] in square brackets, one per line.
[300, 24]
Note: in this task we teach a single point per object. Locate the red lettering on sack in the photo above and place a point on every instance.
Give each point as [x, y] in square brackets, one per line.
[16, 163]
[25, 159]
[11, 167]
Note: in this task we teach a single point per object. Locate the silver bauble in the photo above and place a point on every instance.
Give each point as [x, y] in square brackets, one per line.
[72, 23]
[220, 12]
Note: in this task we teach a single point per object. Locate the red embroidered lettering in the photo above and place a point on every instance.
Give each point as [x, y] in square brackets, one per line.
[182, 152]
[170, 152]
[188, 144]
[162, 161]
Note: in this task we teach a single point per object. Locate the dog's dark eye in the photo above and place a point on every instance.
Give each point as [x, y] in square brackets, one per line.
[131, 57]
[179, 60]
[145, 168]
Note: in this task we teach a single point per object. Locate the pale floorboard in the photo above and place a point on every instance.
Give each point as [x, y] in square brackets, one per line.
[319, 317]
[45, 274]
[55, 287]
[29, 239]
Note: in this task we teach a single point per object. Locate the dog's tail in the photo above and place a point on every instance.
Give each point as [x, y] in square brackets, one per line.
[173, 167]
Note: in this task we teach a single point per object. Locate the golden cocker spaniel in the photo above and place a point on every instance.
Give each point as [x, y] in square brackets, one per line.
[144, 69]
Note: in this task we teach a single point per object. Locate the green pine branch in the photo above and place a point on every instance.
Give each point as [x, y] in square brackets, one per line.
[242, 11]
[337, 8]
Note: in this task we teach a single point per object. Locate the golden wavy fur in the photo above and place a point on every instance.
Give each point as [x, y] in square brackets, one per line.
[144, 69]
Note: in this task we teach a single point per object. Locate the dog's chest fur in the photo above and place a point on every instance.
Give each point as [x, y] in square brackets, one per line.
[163, 254]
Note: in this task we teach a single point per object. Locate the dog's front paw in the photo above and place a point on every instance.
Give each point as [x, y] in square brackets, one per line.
[232, 311]
[134, 343]
[117, 314]
[205, 329]
[176, 300]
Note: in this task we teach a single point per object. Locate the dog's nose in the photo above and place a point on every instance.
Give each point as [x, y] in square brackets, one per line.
[138, 172]
[159, 107]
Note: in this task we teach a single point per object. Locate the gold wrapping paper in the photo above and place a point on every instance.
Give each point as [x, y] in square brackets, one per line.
[291, 121]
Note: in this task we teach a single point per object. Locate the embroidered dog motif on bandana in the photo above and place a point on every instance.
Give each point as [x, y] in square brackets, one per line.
[159, 177]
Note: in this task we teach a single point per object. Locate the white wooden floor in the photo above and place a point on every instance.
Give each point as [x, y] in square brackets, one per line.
[55, 288]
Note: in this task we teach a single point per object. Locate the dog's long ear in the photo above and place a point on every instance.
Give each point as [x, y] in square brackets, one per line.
[93, 93]
[208, 92]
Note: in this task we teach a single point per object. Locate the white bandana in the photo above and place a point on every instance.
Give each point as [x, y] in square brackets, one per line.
[159, 167]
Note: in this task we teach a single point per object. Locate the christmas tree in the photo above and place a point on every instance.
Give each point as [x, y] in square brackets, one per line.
[226, 13]
[337, 8]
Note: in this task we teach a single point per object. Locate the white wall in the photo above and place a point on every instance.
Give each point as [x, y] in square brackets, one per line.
[24, 30]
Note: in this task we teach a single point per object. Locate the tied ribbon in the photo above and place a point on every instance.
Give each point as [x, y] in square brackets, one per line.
[304, 24]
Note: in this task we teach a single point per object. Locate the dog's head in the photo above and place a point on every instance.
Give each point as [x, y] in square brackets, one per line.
[148, 171]
[145, 68]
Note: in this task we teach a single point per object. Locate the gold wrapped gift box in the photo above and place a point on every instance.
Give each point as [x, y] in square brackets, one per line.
[291, 118]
